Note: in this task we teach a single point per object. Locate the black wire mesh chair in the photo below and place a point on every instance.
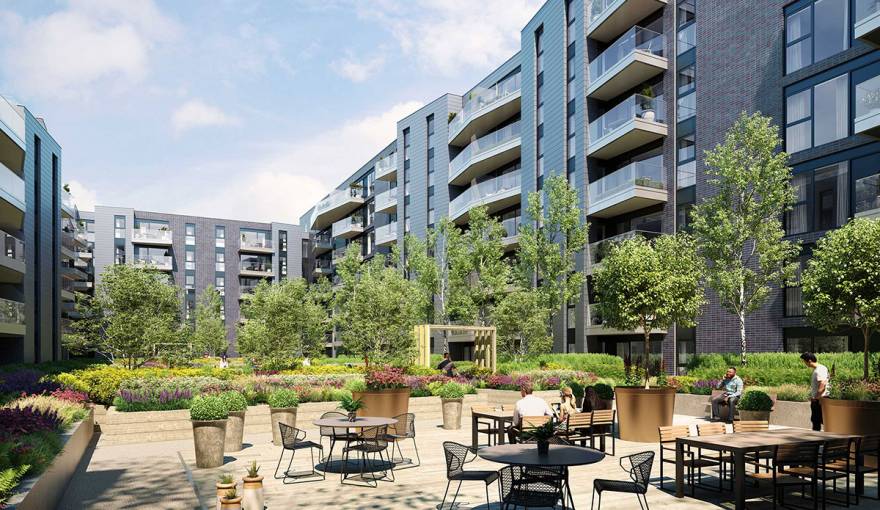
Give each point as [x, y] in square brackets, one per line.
[639, 468]
[405, 428]
[293, 439]
[335, 434]
[532, 487]
[456, 457]
[371, 444]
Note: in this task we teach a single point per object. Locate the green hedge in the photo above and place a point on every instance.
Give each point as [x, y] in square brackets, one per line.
[773, 368]
[602, 365]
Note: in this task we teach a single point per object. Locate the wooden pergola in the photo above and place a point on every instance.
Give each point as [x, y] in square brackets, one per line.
[485, 342]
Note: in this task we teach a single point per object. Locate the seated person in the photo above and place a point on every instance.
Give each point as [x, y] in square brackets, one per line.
[591, 400]
[446, 365]
[733, 388]
[528, 405]
[567, 405]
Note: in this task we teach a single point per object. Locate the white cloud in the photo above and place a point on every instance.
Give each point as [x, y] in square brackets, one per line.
[84, 198]
[195, 113]
[87, 43]
[448, 35]
[286, 184]
[358, 70]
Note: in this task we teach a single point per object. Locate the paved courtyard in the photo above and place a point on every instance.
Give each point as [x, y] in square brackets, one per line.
[163, 475]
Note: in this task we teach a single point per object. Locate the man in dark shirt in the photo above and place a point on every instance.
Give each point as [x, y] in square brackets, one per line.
[446, 366]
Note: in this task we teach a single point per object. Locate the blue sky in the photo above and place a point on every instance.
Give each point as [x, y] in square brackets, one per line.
[240, 109]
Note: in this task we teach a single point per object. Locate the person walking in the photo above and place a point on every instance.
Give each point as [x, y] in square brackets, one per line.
[819, 387]
[732, 385]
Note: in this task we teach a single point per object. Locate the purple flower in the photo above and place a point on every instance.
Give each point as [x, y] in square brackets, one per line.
[26, 381]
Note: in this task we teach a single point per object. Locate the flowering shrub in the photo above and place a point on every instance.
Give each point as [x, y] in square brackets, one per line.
[704, 386]
[386, 378]
[29, 382]
[18, 421]
[69, 395]
[68, 412]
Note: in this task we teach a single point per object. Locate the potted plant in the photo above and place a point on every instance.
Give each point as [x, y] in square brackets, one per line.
[451, 395]
[648, 286]
[386, 393]
[606, 395]
[252, 489]
[223, 485]
[541, 435]
[208, 416]
[231, 500]
[841, 291]
[647, 106]
[282, 408]
[755, 405]
[236, 404]
[351, 406]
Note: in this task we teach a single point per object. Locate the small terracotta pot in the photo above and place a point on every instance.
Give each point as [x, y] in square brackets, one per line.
[222, 488]
[252, 493]
[230, 504]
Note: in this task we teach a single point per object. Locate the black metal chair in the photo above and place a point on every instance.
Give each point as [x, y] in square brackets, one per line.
[405, 428]
[456, 457]
[372, 442]
[640, 474]
[293, 439]
[532, 487]
[335, 434]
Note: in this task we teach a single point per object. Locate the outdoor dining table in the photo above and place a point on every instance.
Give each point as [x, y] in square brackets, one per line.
[739, 444]
[499, 418]
[361, 422]
[526, 454]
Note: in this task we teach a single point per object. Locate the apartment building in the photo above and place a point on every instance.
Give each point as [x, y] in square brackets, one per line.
[30, 224]
[623, 97]
[197, 252]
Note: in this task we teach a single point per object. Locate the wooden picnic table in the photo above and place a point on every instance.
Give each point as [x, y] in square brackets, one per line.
[739, 444]
[499, 418]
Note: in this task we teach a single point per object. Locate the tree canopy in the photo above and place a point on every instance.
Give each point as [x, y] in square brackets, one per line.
[209, 333]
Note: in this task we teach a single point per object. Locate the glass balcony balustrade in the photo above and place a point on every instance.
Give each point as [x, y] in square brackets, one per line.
[634, 39]
[484, 192]
[482, 99]
[482, 146]
[636, 106]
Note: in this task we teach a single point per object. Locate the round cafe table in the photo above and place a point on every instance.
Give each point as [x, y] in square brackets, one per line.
[361, 422]
[526, 454]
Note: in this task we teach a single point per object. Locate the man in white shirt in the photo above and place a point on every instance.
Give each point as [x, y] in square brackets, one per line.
[819, 388]
[528, 405]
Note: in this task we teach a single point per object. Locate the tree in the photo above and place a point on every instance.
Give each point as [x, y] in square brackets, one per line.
[645, 286]
[739, 229]
[841, 284]
[377, 308]
[133, 312]
[481, 270]
[209, 334]
[521, 323]
[283, 321]
[548, 249]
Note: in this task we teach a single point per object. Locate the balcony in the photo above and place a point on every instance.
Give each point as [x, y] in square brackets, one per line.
[12, 318]
[160, 262]
[634, 122]
[334, 206]
[12, 137]
[349, 227]
[496, 193]
[386, 168]
[485, 108]
[510, 241]
[256, 269]
[600, 249]
[251, 242]
[68, 207]
[867, 121]
[867, 25]
[386, 202]
[485, 154]
[322, 267]
[386, 235]
[151, 236]
[322, 243]
[633, 187]
[595, 326]
[12, 263]
[72, 273]
[610, 18]
[338, 254]
[12, 201]
[637, 56]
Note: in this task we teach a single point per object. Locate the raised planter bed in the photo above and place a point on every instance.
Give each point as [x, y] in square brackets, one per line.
[47, 489]
[785, 413]
[509, 397]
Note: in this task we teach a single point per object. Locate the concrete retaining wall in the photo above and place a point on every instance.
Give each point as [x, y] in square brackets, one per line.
[786, 414]
[46, 490]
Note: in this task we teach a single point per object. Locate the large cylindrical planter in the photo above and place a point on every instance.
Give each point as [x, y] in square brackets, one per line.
[856, 417]
[234, 431]
[208, 438]
[451, 413]
[252, 494]
[384, 403]
[640, 412]
[285, 415]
